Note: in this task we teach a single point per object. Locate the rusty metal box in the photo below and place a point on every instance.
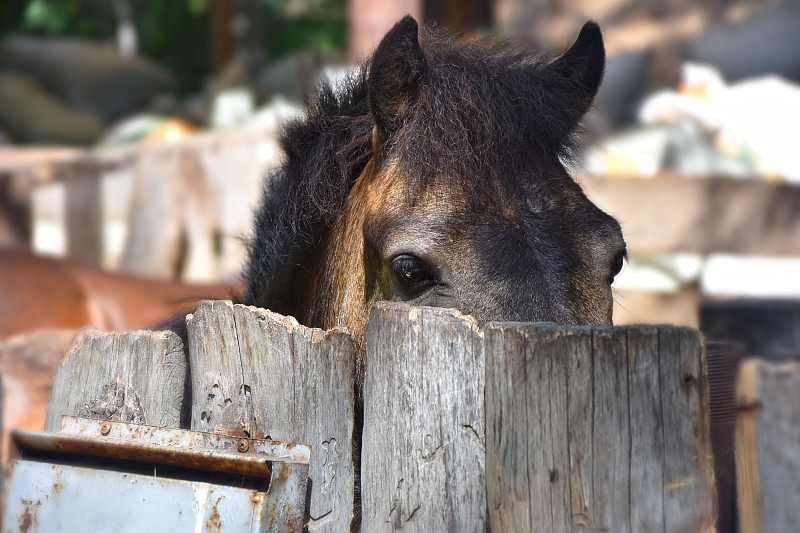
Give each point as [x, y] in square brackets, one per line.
[99, 476]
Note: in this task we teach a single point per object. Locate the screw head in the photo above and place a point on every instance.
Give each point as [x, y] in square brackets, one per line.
[105, 428]
[243, 445]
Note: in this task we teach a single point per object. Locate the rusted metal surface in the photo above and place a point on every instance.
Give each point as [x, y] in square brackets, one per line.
[109, 476]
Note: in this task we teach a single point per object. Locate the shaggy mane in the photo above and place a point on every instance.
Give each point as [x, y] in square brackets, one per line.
[486, 114]
[324, 155]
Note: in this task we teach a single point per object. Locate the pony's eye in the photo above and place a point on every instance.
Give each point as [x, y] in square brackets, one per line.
[616, 266]
[412, 272]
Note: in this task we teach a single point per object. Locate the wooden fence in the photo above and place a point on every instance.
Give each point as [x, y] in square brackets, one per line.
[510, 427]
[766, 412]
[183, 207]
[200, 191]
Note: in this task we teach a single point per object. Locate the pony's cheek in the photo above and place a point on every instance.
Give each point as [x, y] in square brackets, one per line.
[386, 286]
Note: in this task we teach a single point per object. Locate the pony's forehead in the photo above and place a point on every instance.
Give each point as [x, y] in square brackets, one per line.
[481, 108]
[401, 182]
[397, 200]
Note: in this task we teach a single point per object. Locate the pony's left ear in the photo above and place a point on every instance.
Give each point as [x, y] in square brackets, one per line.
[575, 77]
[396, 72]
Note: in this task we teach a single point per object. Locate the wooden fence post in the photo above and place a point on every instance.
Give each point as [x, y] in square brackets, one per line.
[768, 397]
[84, 224]
[261, 372]
[768, 446]
[597, 429]
[423, 441]
[154, 227]
[134, 377]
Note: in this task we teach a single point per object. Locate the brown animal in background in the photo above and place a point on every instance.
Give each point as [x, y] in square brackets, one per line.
[42, 293]
[44, 301]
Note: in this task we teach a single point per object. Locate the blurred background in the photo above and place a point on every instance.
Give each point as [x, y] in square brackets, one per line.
[135, 136]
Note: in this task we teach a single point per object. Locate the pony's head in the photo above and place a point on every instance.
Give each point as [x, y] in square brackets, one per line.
[445, 187]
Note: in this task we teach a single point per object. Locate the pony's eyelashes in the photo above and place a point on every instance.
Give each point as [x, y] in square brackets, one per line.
[616, 265]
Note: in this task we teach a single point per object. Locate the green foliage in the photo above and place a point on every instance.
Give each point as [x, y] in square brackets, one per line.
[176, 34]
[87, 19]
[322, 26]
[292, 34]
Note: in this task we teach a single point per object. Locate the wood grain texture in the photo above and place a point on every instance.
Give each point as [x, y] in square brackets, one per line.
[769, 459]
[750, 505]
[136, 377]
[423, 442]
[258, 371]
[597, 429]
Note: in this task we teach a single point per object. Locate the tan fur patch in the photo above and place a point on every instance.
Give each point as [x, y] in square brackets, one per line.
[342, 295]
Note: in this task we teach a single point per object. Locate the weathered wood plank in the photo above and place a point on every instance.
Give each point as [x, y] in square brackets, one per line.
[774, 389]
[688, 460]
[136, 377]
[423, 442]
[611, 430]
[509, 499]
[84, 222]
[152, 245]
[580, 427]
[717, 215]
[616, 431]
[647, 431]
[750, 505]
[261, 372]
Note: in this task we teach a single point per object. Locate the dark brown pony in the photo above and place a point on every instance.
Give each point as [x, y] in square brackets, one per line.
[435, 176]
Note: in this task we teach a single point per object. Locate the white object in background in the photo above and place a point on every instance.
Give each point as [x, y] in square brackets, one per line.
[763, 277]
[753, 119]
[48, 216]
[632, 153]
[659, 273]
[232, 108]
[276, 114]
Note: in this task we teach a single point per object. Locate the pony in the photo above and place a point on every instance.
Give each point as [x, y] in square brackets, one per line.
[436, 175]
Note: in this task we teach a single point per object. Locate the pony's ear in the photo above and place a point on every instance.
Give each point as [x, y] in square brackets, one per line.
[396, 71]
[575, 77]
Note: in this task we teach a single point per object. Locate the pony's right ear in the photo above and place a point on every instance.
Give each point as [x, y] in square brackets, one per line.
[396, 71]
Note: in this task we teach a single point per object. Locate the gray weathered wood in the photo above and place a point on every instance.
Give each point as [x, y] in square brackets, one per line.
[136, 377]
[769, 484]
[422, 465]
[689, 492]
[258, 371]
[84, 210]
[716, 215]
[153, 246]
[611, 424]
[597, 429]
